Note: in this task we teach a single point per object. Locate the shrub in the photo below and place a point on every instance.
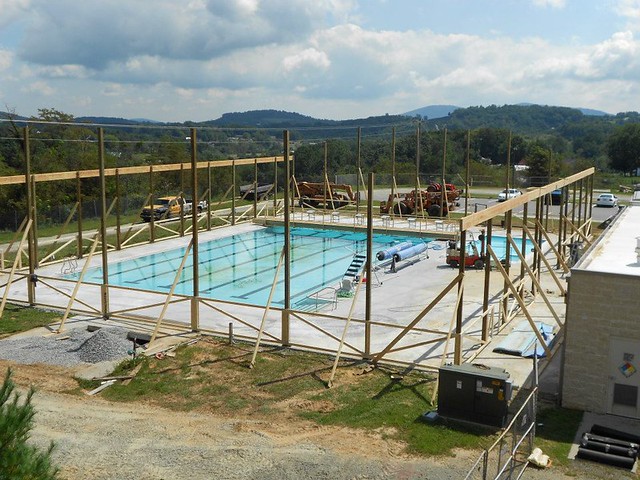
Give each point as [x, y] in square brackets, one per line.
[19, 460]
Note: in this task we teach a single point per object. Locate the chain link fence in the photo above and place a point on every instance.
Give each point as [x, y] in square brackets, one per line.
[506, 459]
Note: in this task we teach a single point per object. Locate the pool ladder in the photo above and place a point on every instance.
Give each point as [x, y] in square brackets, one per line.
[356, 266]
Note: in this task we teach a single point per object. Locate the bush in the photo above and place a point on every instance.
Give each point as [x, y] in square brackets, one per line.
[18, 460]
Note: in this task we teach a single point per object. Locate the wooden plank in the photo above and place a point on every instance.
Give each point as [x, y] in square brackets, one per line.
[501, 208]
[101, 387]
[419, 317]
[532, 275]
[134, 170]
[523, 306]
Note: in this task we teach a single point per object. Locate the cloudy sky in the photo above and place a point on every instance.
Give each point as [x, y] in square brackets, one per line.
[183, 60]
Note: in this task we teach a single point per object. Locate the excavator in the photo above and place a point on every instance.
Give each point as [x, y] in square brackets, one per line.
[429, 200]
[329, 195]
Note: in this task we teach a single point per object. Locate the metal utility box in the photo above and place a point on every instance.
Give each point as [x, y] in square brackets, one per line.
[474, 393]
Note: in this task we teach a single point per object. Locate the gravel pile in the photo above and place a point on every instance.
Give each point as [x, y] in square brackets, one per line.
[82, 347]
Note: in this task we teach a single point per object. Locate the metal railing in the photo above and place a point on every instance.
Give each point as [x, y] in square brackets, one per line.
[505, 457]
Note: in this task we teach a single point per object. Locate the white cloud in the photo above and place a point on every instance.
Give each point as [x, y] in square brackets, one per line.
[630, 9]
[112, 31]
[39, 88]
[12, 10]
[6, 59]
[550, 3]
[205, 57]
[308, 58]
[112, 90]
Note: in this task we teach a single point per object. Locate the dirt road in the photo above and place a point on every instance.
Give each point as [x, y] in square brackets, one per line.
[102, 440]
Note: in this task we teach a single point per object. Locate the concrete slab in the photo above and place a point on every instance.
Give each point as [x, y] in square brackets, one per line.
[398, 298]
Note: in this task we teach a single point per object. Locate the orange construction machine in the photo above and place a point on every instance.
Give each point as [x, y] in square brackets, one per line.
[473, 257]
[429, 200]
[330, 195]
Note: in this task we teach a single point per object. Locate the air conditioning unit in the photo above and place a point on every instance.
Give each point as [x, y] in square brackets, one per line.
[474, 393]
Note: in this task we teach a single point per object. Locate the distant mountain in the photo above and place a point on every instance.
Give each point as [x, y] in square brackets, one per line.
[594, 113]
[585, 111]
[433, 111]
[268, 119]
[109, 120]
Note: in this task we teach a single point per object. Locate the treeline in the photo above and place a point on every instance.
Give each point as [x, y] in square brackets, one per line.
[551, 141]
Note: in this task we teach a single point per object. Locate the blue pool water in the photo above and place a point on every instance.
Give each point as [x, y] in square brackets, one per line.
[499, 245]
[240, 268]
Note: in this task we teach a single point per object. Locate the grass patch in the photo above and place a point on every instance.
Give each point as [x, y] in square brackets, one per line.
[213, 376]
[556, 434]
[17, 318]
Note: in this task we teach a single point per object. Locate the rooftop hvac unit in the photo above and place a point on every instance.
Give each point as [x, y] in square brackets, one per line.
[474, 393]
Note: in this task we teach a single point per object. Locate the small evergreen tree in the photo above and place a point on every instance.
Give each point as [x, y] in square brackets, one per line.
[18, 460]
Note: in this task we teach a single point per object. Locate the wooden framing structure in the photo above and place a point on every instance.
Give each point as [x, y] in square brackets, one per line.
[574, 224]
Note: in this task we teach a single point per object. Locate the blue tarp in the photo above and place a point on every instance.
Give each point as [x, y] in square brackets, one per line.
[523, 342]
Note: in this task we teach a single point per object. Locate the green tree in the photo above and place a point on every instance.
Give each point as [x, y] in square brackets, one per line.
[623, 148]
[18, 460]
[540, 163]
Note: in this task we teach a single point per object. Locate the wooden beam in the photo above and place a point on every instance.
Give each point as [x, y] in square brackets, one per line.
[532, 275]
[110, 172]
[508, 205]
[523, 306]
[420, 316]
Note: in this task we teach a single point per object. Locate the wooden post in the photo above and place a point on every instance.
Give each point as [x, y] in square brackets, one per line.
[167, 301]
[359, 167]
[393, 169]
[255, 188]
[326, 179]
[118, 213]
[581, 219]
[467, 169]
[274, 284]
[104, 288]
[194, 201]
[525, 214]
[563, 195]
[152, 220]
[31, 238]
[487, 285]
[275, 186]
[457, 356]
[233, 192]
[209, 184]
[76, 288]
[507, 265]
[368, 270]
[16, 261]
[443, 192]
[507, 176]
[79, 199]
[286, 311]
[417, 186]
[34, 227]
[195, 298]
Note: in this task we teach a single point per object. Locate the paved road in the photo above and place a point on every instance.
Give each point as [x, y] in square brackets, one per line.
[476, 203]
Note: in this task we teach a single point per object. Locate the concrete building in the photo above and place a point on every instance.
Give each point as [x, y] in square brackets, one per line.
[601, 369]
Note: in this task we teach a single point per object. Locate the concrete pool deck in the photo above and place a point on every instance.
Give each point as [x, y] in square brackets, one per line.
[397, 298]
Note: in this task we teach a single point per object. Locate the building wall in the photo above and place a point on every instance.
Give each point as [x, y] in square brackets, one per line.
[600, 305]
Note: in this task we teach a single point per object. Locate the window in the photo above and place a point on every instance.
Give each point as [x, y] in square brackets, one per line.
[625, 395]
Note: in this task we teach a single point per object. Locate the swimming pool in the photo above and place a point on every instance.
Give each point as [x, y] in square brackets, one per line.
[499, 246]
[240, 268]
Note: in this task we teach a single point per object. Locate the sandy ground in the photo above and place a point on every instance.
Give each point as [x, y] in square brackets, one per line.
[103, 440]
[98, 439]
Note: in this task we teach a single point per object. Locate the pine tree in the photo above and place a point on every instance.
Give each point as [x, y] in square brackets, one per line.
[19, 460]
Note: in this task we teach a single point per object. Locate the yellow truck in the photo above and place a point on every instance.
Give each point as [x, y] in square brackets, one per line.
[169, 207]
